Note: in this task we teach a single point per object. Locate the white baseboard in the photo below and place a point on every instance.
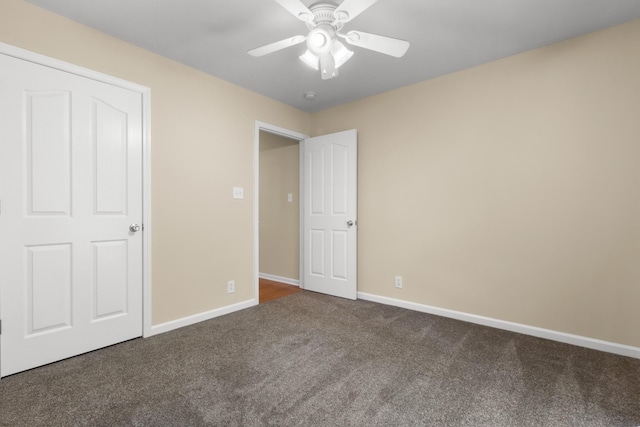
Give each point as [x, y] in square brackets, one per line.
[196, 318]
[286, 280]
[609, 347]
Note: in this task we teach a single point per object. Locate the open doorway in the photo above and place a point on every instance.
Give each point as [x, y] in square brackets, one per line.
[279, 220]
[277, 210]
[327, 223]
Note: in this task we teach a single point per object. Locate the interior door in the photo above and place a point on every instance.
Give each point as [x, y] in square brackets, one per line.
[330, 214]
[71, 208]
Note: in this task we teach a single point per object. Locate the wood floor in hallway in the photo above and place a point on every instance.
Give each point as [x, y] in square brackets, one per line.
[270, 290]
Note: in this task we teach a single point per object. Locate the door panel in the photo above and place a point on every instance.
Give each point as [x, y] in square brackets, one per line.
[110, 279]
[316, 253]
[339, 184]
[71, 184]
[48, 146]
[339, 253]
[48, 280]
[330, 202]
[110, 147]
[316, 179]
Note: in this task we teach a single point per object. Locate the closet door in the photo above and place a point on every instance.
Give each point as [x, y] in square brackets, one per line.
[70, 214]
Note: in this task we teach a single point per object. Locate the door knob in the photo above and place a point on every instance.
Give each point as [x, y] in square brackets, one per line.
[350, 223]
[134, 227]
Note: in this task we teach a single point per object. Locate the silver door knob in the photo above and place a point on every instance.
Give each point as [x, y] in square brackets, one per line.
[134, 227]
[350, 223]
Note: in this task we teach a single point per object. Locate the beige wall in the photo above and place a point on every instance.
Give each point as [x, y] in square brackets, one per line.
[279, 219]
[510, 190]
[202, 131]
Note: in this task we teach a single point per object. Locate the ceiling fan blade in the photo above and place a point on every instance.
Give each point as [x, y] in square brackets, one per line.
[274, 47]
[328, 68]
[382, 44]
[349, 9]
[297, 9]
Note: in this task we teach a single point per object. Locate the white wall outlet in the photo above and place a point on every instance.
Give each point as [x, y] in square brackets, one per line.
[231, 286]
[399, 282]
[238, 193]
[290, 197]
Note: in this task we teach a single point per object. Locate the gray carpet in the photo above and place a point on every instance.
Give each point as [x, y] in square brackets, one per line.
[314, 360]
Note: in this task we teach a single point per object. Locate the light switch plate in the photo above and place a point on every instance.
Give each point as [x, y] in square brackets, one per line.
[238, 193]
[290, 197]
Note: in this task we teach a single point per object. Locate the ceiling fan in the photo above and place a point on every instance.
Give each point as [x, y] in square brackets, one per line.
[325, 20]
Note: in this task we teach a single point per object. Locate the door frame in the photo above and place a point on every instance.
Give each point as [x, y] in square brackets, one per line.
[277, 130]
[145, 92]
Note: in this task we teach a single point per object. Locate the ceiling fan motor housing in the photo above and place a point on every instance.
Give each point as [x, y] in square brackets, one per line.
[323, 14]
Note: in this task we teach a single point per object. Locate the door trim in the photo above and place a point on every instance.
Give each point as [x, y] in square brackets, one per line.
[145, 92]
[266, 127]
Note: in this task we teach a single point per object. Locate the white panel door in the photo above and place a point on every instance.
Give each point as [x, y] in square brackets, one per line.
[330, 214]
[70, 187]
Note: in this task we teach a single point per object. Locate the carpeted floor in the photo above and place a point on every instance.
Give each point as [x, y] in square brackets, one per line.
[314, 360]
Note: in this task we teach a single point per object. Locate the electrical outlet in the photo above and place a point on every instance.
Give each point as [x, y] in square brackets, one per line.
[231, 286]
[399, 282]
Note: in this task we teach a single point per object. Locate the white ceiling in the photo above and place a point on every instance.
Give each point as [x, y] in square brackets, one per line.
[445, 35]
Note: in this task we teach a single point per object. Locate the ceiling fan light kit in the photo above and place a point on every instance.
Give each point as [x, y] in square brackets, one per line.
[318, 41]
[310, 59]
[324, 21]
[341, 53]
